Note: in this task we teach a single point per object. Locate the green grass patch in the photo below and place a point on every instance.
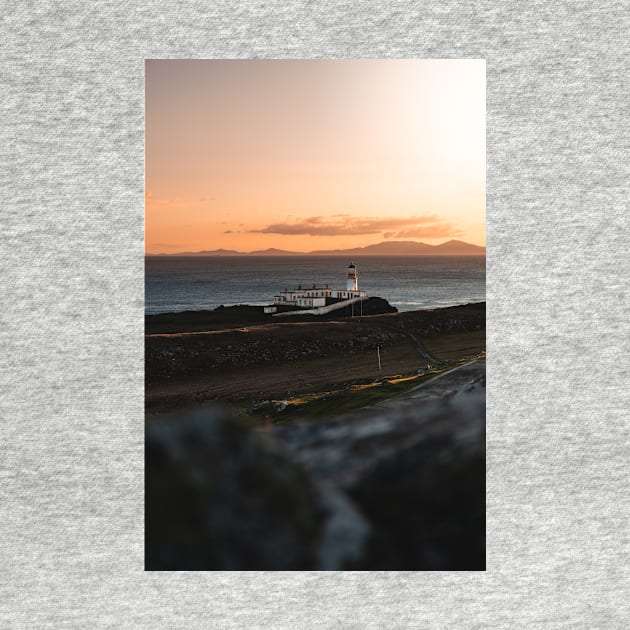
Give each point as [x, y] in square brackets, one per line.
[333, 403]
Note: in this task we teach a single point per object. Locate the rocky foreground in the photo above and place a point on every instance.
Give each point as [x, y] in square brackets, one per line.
[399, 486]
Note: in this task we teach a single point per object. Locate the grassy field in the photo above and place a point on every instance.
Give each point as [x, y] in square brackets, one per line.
[314, 366]
[286, 379]
[455, 345]
[332, 403]
[319, 388]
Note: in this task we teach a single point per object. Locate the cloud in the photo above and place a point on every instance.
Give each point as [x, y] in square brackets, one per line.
[348, 225]
[206, 198]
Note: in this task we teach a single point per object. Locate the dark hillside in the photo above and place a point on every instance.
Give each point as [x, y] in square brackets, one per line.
[244, 315]
[261, 361]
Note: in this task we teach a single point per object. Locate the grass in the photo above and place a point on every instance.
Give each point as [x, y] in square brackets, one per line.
[456, 345]
[332, 403]
[316, 387]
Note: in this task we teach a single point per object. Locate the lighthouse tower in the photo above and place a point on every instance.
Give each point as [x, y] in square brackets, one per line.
[352, 283]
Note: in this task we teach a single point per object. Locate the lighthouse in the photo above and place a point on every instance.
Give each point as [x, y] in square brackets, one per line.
[352, 283]
[320, 297]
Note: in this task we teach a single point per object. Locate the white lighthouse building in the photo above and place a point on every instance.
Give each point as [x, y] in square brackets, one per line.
[316, 297]
[352, 283]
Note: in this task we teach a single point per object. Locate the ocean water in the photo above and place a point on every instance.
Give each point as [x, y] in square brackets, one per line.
[180, 283]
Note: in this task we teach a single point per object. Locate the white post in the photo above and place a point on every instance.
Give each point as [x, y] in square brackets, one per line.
[378, 352]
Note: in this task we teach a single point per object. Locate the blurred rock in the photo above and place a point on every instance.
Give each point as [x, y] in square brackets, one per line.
[415, 466]
[397, 486]
[220, 496]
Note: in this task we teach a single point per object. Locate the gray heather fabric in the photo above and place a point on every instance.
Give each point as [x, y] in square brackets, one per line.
[71, 368]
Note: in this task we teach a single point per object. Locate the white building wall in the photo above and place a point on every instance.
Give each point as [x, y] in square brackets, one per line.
[311, 298]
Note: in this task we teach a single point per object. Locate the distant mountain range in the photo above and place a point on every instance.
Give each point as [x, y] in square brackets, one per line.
[386, 248]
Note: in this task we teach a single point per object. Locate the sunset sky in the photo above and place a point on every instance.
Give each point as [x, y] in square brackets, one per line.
[317, 154]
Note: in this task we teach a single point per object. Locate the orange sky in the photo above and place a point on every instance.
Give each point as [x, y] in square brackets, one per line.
[316, 154]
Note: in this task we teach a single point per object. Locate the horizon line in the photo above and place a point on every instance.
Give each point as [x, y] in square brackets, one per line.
[317, 251]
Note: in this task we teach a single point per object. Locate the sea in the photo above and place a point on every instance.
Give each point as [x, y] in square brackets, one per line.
[190, 283]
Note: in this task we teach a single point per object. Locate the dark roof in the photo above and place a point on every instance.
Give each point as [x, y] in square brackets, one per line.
[351, 266]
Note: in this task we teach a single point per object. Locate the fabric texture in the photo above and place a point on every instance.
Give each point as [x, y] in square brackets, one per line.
[71, 371]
